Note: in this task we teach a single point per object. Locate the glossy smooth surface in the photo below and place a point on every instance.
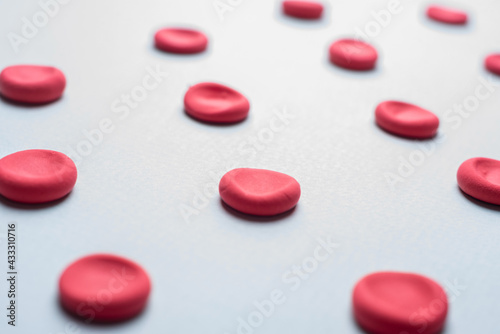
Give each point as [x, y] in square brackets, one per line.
[36, 176]
[395, 303]
[215, 103]
[104, 287]
[259, 192]
[406, 120]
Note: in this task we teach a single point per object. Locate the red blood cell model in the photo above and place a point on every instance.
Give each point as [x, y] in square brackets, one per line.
[446, 15]
[259, 192]
[395, 303]
[480, 178]
[104, 288]
[406, 120]
[308, 10]
[215, 103]
[32, 83]
[36, 176]
[181, 40]
[492, 63]
[353, 55]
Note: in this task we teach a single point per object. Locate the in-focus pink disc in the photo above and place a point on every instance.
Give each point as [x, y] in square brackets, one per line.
[480, 178]
[396, 303]
[308, 10]
[36, 176]
[104, 288]
[259, 192]
[181, 40]
[406, 120]
[492, 63]
[353, 54]
[32, 83]
[215, 103]
[447, 15]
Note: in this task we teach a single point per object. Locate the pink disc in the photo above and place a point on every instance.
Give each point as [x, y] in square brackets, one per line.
[104, 288]
[406, 120]
[395, 303]
[36, 176]
[215, 103]
[492, 63]
[259, 192]
[32, 83]
[446, 15]
[480, 178]
[308, 10]
[181, 40]
[353, 54]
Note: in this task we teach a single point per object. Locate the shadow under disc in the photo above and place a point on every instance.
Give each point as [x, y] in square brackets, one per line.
[355, 74]
[180, 57]
[257, 219]
[26, 206]
[27, 105]
[82, 321]
[480, 203]
[216, 124]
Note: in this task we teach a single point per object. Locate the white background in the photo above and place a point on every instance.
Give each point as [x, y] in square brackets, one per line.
[209, 269]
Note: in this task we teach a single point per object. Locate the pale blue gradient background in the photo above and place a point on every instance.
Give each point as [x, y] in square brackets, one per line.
[208, 272]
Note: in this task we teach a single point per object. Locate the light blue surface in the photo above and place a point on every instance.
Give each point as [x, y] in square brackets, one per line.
[210, 269]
